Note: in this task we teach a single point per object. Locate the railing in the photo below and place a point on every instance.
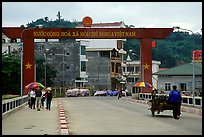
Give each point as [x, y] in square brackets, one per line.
[13, 104]
[186, 100]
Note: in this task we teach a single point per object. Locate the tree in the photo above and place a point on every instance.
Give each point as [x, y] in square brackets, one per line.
[40, 72]
[11, 75]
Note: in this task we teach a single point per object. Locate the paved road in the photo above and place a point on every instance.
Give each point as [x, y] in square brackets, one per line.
[110, 116]
[100, 116]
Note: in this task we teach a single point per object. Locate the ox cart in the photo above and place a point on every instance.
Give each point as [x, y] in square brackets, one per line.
[159, 104]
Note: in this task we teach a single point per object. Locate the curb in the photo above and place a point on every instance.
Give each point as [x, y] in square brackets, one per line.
[62, 119]
[183, 108]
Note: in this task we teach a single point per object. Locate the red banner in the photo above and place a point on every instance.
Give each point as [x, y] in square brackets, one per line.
[197, 56]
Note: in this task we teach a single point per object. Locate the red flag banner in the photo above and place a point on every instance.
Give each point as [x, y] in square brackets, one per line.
[153, 44]
[197, 56]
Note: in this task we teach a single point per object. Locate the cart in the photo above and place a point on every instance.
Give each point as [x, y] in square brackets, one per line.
[159, 104]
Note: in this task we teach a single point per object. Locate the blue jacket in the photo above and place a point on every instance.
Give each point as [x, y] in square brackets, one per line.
[174, 97]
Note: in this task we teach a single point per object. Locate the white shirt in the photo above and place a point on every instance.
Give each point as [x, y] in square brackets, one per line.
[32, 93]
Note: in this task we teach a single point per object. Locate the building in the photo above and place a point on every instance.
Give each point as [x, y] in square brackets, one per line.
[104, 68]
[132, 72]
[63, 57]
[182, 76]
[67, 57]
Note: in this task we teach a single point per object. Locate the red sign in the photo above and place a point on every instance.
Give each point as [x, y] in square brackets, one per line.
[197, 54]
[87, 21]
[153, 44]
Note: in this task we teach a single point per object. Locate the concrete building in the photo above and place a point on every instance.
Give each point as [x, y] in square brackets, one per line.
[63, 57]
[104, 68]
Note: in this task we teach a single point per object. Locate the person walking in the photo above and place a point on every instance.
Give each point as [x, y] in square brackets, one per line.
[42, 98]
[29, 99]
[48, 96]
[120, 94]
[38, 93]
[175, 100]
[32, 99]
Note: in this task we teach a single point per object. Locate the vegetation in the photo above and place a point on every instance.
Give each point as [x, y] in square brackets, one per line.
[175, 50]
[11, 74]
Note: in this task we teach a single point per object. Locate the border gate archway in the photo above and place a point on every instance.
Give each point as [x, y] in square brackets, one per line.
[144, 34]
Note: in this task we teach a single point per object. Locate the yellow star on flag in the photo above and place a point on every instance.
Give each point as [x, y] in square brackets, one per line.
[28, 66]
[146, 66]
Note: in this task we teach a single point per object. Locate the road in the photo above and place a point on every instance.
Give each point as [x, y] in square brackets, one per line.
[110, 116]
[100, 116]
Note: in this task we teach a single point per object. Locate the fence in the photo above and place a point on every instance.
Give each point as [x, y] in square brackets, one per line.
[187, 100]
[13, 104]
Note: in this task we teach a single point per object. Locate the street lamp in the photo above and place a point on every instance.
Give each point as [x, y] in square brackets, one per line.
[38, 26]
[193, 82]
[45, 69]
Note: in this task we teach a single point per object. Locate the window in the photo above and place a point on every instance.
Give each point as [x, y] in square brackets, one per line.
[112, 67]
[83, 50]
[183, 86]
[167, 86]
[130, 69]
[83, 65]
[130, 79]
[137, 69]
[105, 54]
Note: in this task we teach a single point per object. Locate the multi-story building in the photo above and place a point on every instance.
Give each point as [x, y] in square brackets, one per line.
[63, 57]
[104, 62]
[132, 73]
[104, 68]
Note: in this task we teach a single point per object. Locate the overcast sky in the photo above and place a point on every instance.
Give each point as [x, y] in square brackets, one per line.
[187, 15]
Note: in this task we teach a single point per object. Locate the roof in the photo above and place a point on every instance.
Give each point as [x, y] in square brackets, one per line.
[115, 24]
[182, 70]
[100, 49]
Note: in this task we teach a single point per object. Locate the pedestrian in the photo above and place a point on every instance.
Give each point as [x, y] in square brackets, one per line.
[120, 94]
[175, 100]
[32, 99]
[48, 96]
[29, 99]
[38, 94]
[154, 92]
[43, 98]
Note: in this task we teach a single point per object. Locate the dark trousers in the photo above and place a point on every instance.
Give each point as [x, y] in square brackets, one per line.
[176, 109]
[42, 102]
[48, 104]
[29, 102]
[32, 103]
[119, 96]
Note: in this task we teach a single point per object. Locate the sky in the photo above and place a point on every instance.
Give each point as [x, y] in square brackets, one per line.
[186, 15]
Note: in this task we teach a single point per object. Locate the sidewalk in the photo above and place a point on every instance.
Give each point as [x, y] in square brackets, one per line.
[43, 122]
